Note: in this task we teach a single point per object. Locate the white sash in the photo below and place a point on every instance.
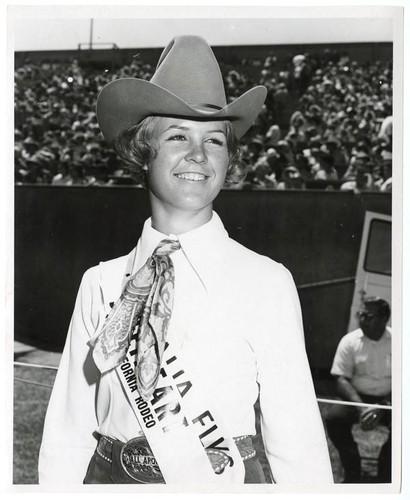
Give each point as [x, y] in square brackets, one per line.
[179, 424]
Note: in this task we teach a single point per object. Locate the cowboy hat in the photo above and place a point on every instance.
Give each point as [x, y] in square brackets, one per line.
[187, 83]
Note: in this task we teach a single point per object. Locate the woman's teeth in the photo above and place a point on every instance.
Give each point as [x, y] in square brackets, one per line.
[191, 176]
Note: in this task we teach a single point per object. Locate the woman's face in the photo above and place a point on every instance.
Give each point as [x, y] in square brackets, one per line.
[190, 166]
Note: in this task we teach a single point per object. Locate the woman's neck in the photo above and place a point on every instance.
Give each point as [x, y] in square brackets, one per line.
[179, 221]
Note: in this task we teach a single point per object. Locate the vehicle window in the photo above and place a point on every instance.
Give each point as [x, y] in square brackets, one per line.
[378, 251]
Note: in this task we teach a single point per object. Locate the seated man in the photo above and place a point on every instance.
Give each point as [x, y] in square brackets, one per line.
[362, 366]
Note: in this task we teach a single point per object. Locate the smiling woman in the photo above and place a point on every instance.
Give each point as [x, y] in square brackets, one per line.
[134, 146]
[161, 150]
[187, 165]
[170, 346]
[188, 170]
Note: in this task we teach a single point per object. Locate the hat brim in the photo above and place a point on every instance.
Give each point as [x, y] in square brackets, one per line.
[125, 102]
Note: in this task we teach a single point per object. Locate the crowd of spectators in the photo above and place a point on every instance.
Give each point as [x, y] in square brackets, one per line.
[326, 123]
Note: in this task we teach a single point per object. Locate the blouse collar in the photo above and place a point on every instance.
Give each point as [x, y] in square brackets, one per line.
[201, 246]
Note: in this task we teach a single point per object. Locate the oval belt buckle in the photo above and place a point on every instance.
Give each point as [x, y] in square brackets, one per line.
[138, 461]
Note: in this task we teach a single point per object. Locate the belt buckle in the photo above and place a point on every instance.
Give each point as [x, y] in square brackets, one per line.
[138, 461]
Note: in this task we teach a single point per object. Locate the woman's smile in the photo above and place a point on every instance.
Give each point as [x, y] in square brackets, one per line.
[192, 176]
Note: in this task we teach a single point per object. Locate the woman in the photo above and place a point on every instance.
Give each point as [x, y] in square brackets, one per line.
[170, 346]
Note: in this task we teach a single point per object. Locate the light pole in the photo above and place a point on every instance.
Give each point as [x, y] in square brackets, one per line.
[91, 33]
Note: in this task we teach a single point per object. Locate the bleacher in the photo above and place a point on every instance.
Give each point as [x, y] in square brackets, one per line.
[322, 100]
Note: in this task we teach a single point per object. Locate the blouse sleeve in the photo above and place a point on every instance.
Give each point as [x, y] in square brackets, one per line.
[292, 428]
[68, 442]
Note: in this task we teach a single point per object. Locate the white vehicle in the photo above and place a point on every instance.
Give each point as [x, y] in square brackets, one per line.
[373, 275]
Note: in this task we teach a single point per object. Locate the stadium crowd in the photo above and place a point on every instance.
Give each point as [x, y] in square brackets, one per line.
[327, 123]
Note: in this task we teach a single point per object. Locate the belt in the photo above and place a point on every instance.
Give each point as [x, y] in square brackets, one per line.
[138, 461]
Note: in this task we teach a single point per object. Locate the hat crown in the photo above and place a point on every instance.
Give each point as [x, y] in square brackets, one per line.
[188, 68]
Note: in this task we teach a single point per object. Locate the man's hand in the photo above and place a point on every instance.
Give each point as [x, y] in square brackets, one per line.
[369, 418]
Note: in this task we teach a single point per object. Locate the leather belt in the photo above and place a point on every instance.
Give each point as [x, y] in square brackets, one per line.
[139, 463]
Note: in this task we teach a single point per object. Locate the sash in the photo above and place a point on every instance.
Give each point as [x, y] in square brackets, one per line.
[180, 425]
[178, 422]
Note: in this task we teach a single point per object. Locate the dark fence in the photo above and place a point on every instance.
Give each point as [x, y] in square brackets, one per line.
[61, 231]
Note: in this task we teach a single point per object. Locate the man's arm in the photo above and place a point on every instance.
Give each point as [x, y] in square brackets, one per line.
[346, 390]
[369, 417]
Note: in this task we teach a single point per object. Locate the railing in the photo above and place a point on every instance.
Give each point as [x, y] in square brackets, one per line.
[338, 281]
[319, 400]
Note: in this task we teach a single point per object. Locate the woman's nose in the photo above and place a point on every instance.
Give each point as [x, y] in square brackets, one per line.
[196, 153]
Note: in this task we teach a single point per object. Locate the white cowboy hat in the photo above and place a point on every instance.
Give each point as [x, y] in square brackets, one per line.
[187, 83]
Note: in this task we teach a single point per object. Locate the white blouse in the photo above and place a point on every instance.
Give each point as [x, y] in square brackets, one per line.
[237, 319]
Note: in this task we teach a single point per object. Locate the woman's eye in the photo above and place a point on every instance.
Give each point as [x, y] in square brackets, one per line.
[213, 140]
[177, 137]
